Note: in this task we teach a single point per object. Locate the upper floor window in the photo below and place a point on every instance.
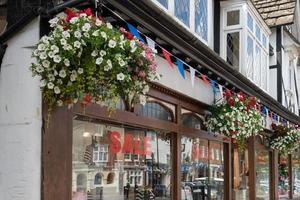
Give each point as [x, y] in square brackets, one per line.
[233, 17]
[100, 153]
[193, 14]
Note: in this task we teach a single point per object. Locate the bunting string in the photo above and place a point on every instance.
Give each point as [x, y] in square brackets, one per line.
[216, 87]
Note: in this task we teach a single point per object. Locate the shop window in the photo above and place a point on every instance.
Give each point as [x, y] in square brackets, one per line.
[262, 173]
[296, 173]
[156, 110]
[147, 168]
[98, 179]
[283, 177]
[233, 17]
[182, 11]
[192, 121]
[233, 49]
[202, 176]
[81, 183]
[201, 26]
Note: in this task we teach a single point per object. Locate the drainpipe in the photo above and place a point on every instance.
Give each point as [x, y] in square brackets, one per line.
[279, 63]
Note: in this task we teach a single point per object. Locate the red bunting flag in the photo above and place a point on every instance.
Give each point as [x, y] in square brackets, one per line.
[167, 57]
[205, 79]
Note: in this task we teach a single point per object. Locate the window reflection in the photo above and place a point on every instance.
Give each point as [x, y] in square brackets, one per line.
[262, 174]
[191, 120]
[156, 110]
[117, 163]
[296, 173]
[202, 170]
[283, 177]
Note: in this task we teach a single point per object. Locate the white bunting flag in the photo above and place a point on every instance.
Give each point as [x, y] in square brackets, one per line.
[151, 43]
[192, 73]
[221, 90]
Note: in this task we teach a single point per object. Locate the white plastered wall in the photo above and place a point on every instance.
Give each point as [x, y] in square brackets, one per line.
[20, 119]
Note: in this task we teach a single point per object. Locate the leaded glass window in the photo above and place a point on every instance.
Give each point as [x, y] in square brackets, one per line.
[163, 3]
[182, 11]
[257, 66]
[249, 21]
[233, 17]
[157, 111]
[233, 48]
[249, 69]
[201, 27]
[264, 71]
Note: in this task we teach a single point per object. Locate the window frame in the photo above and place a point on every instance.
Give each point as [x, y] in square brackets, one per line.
[99, 152]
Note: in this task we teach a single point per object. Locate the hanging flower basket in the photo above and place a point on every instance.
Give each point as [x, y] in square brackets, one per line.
[236, 117]
[85, 59]
[285, 139]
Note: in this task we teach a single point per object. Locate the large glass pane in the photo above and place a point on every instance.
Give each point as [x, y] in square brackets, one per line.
[233, 17]
[264, 71]
[119, 162]
[257, 32]
[233, 48]
[182, 11]
[264, 40]
[249, 70]
[257, 65]
[240, 173]
[296, 173]
[156, 110]
[283, 177]
[202, 170]
[201, 27]
[164, 3]
[262, 174]
[250, 22]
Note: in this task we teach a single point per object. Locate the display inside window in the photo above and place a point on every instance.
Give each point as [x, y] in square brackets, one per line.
[119, 162]
[283, 177]
[262, 174]
[233, 17]
[192, 120]
[157, 110]
[296, 173]
[202, 169]
[182, 11]
[240, 173]
[201, 26]
[233, 48]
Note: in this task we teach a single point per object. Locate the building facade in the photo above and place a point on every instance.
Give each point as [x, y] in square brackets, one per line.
[161, 150]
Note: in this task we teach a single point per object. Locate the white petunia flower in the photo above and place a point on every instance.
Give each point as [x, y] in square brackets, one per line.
[53, 21]
[103, 34]
[62, 73]
[133, 50]
[66, 34]
[96, 33]
[46, 63]
[98, 22]
[41, 47]
[51, 77]
[67, 62]
[109, 25]
[36, 52]
[57, 59]
[86, 27]
[63, 41]
[107, 68]
[77, 44]
[108, 62]
[99, 60]
[143, 54]
[122, 62]
[39, 69]
[80, 70]
[43, 83]
[50, 85]
[102, 53]
[77, 34]
[87, 35]
[55, 48]
[83, 15]
[67, 47]
[120, 76]
[74, 20]
[56, 90]
[51, 54]
[94, 53]
[112, 44]
[59, 81]
[73, 77]
[43, 56]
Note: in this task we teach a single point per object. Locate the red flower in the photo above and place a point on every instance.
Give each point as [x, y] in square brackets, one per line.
[273, 126]
[227, 93]
[241, 96]
[129, 35]
[122, 30]
[87, 98]
[70, 14]
[88, 12]
[252, 101]
[231, 101]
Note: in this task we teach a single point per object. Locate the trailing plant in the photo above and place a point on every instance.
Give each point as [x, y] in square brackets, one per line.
[85, 59]
[285, 139]
[236, 117]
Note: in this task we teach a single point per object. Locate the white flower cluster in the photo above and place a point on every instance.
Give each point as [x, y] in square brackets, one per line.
[287, 143]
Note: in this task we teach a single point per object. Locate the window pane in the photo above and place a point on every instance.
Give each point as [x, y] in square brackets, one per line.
[249, 71]
[120, 178]
[202, 175]
[233, 48]
[257, 32]
[192, 121]
[233, 17]
[164, 3]
[156, 110]
[262, 174]
[201, 18]
[296, 173]
[283, 177]
[249, 21]
[264, 40]
[182, 11]
[264, 72]
[257, 66]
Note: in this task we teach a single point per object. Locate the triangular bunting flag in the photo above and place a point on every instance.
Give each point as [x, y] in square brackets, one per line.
[221, 90]
[151, 43]
[213, 85]
[204, 79]
[167, 57]
[180, 67]
[192, 74]
[135, 32]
